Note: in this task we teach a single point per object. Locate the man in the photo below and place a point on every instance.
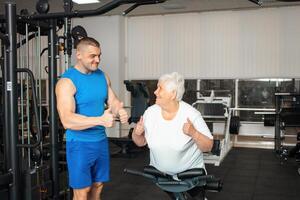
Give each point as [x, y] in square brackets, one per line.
[175, 132]
[82, 94]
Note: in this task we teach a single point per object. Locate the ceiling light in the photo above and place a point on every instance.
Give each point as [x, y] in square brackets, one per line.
[85, 1]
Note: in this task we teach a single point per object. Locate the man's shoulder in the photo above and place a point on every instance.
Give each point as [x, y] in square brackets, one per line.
[68, 73]
[98, 72]
[64, 82]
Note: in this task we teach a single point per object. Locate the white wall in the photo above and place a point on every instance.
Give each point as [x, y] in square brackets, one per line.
[222, 44]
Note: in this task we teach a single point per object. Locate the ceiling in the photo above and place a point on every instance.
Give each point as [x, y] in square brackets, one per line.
[170, 6]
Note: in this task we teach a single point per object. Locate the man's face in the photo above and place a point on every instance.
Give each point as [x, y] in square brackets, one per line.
[89, 57]
[163, 96]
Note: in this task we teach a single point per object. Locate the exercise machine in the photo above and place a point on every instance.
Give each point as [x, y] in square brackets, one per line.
[287, 115]
[179, 188]
[217, 109]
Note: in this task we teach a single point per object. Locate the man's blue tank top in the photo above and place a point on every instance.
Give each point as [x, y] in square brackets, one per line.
[90, 98]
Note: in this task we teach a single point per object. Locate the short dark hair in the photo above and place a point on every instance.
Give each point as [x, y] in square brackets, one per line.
[87, 41]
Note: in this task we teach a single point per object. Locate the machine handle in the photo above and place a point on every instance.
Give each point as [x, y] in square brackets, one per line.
[35, 108]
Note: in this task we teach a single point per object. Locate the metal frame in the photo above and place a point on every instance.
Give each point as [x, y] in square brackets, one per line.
[278, 130]
[10, 102]
[225, 144]
[52, 63]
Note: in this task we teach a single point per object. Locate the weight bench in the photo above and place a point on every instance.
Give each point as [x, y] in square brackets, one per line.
[187, 180]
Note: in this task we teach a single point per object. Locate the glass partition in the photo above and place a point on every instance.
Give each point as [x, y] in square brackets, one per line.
[251, 93]
[221, 88]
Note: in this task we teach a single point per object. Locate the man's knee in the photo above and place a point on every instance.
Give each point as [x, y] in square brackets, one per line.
[97, 186]
[81, 193]
[96, 191]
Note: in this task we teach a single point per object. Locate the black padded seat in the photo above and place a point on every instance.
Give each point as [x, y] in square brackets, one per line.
[191, 173]
[155, 172]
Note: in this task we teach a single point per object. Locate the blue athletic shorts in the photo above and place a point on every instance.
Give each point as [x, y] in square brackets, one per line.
[88, 162]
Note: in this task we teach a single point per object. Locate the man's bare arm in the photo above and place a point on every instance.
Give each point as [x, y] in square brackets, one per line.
[65, 91]
[113, 100]
[115, 104]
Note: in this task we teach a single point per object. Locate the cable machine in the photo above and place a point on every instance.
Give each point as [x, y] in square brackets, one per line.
[12, 175]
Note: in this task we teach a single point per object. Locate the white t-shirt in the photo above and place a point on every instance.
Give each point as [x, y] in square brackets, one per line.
[171, 150]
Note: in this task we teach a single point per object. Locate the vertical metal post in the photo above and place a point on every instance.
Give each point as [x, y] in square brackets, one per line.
[52, 63]
[236, 96]
[277, 138]
[11, 101]
[6, 135]
[68, 43]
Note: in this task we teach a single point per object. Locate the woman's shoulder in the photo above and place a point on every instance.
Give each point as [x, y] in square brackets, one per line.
[187, 108]
[152, 108]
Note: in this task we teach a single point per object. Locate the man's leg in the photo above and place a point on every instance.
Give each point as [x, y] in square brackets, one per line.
[81, 194]
[95, 192]
[80, 176]
[100, 170]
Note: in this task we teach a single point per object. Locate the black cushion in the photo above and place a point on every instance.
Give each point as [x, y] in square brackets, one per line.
[191, 173]
[155, 172]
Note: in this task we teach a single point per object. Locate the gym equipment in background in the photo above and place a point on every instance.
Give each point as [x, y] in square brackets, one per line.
[287, 115]
[217, 110]
[48, 24]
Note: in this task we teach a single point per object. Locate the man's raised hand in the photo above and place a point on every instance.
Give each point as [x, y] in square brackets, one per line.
[123, 116]
[108, 118]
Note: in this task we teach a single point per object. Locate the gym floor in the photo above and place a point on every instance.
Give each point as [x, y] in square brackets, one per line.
[247, 174]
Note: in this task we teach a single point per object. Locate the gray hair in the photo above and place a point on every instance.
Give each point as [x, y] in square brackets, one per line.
[173, 82]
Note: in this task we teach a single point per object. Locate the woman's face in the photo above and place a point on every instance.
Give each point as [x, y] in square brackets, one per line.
[163, 96]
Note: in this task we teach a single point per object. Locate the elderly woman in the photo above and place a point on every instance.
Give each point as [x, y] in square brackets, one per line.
[175, 132]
